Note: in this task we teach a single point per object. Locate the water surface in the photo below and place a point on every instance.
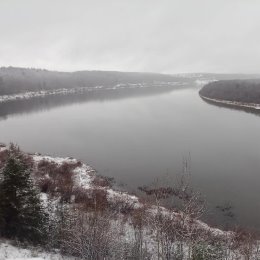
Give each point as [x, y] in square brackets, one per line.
[138, 137]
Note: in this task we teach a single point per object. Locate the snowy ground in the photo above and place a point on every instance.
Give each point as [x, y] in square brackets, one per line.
[84, 176]
[233, 103]
[10, 252]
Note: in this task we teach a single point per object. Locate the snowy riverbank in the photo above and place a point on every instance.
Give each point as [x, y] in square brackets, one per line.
[85, 177]
[65, 91]
[126, 207]
[232, 103]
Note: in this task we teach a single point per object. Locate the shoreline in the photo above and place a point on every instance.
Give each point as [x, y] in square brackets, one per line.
[64, 91]
[232, 103]
[84, 178]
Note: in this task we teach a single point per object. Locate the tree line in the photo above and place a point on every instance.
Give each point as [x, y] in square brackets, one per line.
[20, 80]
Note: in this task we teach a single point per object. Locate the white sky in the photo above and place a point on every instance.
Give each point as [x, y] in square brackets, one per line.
[168, 36]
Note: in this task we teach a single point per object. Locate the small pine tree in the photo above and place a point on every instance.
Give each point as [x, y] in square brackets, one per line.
[22, 215]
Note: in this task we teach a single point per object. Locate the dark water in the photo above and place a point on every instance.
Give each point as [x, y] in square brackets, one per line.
[136, 136]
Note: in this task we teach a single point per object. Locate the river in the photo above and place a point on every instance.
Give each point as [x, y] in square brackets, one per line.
[139, 136]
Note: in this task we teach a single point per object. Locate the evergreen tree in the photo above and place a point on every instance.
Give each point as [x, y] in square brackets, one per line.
[22, 215]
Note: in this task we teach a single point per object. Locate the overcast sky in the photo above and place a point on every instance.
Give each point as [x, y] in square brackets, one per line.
[168, 36]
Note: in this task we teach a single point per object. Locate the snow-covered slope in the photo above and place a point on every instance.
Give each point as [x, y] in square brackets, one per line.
[85, 178]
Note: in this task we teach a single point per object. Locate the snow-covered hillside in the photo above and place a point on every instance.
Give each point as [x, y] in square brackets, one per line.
[129, 223]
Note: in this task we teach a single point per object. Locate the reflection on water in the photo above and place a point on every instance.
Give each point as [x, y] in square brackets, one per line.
[139, 135]
[48, 102]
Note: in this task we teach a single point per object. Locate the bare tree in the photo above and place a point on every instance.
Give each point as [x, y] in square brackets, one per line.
[93, 235]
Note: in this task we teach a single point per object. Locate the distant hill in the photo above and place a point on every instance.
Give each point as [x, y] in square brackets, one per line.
[20, 80]
[243, 91]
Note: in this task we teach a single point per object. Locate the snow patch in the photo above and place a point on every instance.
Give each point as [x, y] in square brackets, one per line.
[3, 148]
[10, 252]
[82, 176]
[58, 160]
[115, 196]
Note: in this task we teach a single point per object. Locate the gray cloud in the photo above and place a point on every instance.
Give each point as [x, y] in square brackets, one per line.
[168, 36]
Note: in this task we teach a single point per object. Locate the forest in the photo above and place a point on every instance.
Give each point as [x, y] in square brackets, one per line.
[19, 80]
[245, 91]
